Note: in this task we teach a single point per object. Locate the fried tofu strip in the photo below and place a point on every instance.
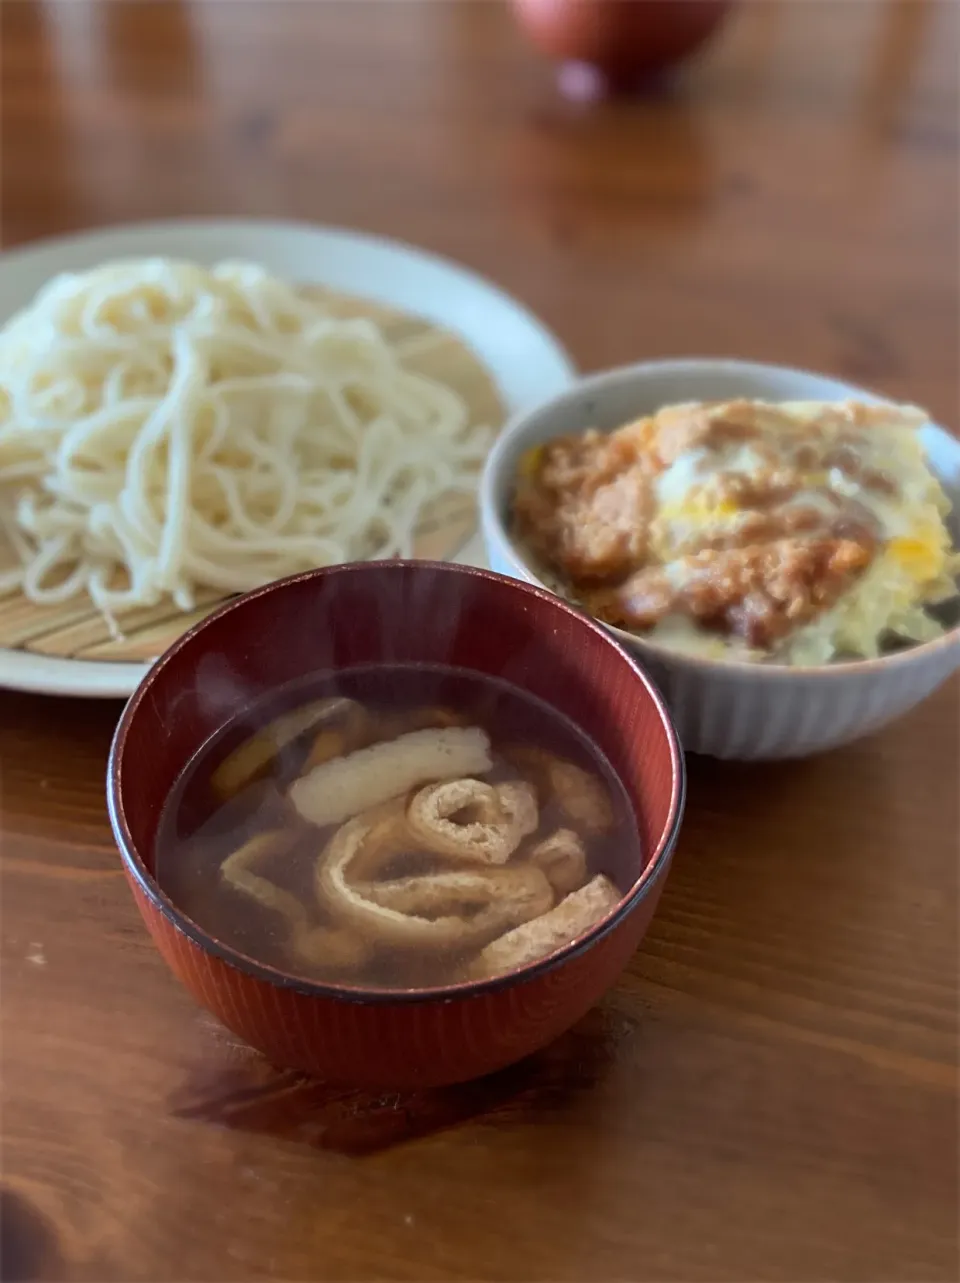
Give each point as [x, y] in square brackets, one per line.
[345, 787]
[563, 859]
[315, 945]
[572, 917]
[255, 755]
[518, 892]
[582, 797]
[337, 948]
[469, 820]
[238, 872]
[358, 851]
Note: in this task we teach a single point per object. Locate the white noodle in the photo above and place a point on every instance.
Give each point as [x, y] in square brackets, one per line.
[165, 427]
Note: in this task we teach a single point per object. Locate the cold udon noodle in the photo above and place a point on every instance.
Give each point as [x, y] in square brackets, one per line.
[408, 846]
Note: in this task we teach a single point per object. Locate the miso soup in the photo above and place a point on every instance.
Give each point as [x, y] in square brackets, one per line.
[397, 826]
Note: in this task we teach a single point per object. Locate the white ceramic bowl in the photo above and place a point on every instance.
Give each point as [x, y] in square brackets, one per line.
[724, 708]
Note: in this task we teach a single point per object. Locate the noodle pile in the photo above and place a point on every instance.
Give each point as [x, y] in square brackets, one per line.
[166, 428]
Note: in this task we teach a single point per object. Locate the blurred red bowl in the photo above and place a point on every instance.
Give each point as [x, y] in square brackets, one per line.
[395, 611]
[625, 39]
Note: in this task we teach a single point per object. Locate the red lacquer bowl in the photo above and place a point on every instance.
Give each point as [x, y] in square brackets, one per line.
[626, 39]
[361, 614]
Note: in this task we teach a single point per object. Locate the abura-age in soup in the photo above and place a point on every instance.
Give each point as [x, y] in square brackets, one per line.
[397, 826]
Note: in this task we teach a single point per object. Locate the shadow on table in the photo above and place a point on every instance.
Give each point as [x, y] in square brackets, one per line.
[29, 1251]
[252, 1096]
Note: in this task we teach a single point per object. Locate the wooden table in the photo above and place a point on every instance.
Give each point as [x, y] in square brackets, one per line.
[770, 1092]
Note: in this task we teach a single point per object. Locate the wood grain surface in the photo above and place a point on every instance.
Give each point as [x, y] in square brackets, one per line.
[770, 1093]
[75, 629]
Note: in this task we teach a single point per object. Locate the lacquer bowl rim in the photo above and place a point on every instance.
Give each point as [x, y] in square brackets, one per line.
[147, 884]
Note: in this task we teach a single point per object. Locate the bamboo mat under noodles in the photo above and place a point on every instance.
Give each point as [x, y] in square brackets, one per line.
[75, 630]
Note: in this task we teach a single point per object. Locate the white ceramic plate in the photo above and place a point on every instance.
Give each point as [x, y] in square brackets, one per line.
[525, 359]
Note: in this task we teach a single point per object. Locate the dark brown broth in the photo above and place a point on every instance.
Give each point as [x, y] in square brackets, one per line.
[197, 831]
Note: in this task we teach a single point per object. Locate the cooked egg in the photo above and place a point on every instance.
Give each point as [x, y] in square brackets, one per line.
[924, 555]
[726, 480]
[530, 462]
[913, 566]
[692, 520]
